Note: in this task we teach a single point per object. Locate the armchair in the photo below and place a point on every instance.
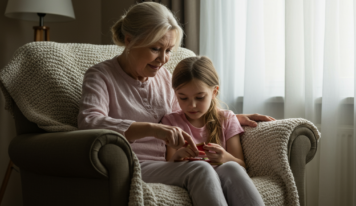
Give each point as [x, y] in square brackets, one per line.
[61, 165]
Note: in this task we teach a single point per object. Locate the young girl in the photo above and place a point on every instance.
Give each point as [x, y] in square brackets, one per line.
[196, 85]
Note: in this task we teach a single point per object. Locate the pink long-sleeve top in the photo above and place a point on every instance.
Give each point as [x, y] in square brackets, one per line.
[111, 99]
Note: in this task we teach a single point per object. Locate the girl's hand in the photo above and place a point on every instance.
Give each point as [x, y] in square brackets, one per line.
[182, 153]
[220, 155]
[250, 119]
[174, 137]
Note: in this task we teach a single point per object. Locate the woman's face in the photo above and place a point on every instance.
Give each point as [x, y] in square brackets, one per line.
[146, 61]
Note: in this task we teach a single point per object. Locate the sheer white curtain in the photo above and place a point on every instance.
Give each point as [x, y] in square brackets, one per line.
[292, 59]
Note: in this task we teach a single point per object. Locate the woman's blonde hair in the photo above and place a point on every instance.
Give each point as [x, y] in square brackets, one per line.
[146, 23]
[201, 68]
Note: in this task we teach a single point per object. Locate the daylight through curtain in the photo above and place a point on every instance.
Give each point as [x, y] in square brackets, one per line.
[291, 59]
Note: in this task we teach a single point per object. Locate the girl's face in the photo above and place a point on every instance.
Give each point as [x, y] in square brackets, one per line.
[195, 98]
[146, 61]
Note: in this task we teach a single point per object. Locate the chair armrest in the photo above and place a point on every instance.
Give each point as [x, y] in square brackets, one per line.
[69, 154]
[310, 141]
[281, 149]
[302, 147]
[270, 143]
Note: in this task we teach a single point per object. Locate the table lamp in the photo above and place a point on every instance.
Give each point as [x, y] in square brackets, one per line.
[37, 10]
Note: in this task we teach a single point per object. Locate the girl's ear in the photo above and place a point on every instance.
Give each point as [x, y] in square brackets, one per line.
[216, 91]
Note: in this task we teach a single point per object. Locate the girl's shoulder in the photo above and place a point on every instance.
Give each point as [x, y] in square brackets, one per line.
[230, 122]
[228, 117]
[226, 114]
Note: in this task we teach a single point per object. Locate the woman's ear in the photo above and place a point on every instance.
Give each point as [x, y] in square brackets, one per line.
[127, 40]
[216, 91]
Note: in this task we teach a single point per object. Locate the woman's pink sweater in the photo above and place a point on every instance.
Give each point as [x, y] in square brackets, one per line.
[111, 99]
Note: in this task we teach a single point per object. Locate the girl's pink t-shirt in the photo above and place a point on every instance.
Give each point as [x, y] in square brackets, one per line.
[230, 127]
[111, 99]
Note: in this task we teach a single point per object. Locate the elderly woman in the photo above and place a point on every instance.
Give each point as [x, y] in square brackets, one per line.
[132, 92]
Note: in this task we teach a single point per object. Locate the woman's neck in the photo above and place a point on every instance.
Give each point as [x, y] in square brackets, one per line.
[125, 65]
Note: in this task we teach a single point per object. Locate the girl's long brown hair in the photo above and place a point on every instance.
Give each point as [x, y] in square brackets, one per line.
[201, 68]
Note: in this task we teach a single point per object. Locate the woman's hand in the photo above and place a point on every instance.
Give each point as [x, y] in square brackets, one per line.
[252, 119]
[220, 155]
[174, 137]
[184, 152]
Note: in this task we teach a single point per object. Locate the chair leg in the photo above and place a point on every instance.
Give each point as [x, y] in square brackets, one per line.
[6, 180]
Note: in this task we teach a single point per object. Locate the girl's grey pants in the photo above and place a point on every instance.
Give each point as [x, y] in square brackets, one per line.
[227, 184]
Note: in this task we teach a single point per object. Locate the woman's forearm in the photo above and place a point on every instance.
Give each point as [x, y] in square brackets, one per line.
[138, 130]
[172, 136]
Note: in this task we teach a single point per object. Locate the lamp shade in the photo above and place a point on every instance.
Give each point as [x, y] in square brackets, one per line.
[55, 10]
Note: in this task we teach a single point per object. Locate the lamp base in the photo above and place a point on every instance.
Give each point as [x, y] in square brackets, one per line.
[41, 33]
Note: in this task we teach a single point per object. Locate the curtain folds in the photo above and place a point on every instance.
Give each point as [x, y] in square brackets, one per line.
[254, 96]
[294, 99]
[290, 59]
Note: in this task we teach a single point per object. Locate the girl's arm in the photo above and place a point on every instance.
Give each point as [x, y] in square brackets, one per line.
[233, 146]
[233, 151]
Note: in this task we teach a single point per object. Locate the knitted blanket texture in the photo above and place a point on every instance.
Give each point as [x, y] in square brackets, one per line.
[44, 79]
